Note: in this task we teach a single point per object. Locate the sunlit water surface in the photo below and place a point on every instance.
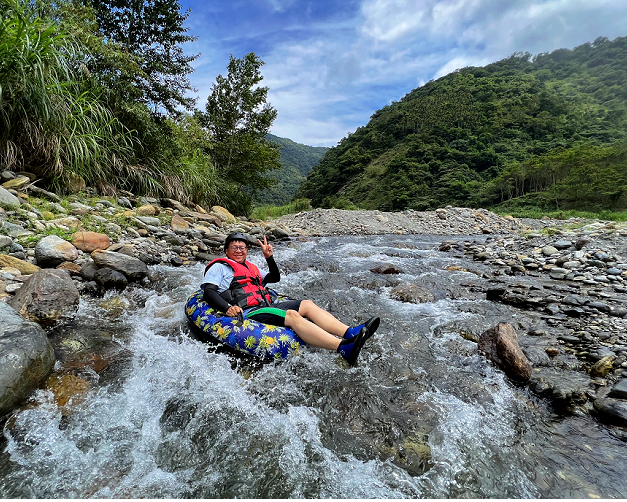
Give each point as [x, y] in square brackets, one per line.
[420, 415]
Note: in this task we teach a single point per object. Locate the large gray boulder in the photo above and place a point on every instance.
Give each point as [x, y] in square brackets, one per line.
[52, 250]
[26, 358]
[46, 297]
[131, 267]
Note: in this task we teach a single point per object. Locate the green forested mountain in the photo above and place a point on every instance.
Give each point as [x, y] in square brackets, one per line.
[548, 130]
[297, 161]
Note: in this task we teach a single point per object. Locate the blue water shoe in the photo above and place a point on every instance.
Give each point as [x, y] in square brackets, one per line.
[349, 348]
[371, 326]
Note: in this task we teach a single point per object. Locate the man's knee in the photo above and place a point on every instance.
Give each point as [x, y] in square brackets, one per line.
[306, 305]
[291, 316]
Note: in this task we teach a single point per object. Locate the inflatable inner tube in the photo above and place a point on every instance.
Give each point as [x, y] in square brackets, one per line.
[264, 341]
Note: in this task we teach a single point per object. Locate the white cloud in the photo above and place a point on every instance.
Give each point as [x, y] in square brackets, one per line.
[327, 79]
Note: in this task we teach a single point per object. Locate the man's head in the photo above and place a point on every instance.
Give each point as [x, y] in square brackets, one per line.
[236, 247]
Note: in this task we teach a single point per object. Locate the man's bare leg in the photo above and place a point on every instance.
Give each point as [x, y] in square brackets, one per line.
[321, 318]
[309, 332]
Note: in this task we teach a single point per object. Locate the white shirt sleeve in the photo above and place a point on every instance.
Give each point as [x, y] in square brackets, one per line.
[220, 275]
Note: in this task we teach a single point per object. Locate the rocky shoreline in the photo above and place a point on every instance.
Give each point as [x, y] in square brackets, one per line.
[573, 274]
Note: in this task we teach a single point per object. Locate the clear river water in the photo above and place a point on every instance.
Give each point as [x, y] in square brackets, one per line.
[421, 415]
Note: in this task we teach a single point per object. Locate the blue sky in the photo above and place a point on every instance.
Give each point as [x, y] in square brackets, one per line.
[331, 64]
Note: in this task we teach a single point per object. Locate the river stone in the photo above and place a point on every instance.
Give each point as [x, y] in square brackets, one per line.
[7, 199]
[224, 214]
[612, 410]
[67, 389]
[110, 278]
[178, 224]
[566, 388]
[90, 241]
[386, 269]
[16, 183]
[411, 293]
[26, 358]
[71, 267]
[88, 270]
[500, 345]
[549, 250]
[581, 242]
[46, 296]
[24, 267]
[149, 220]
[558, 273]
[619, 390]
[279, 233]
[131, 267]
[5, 241]
[562, 244]
[209, 218]
[52, 250]
[602, 367]
[147, 210]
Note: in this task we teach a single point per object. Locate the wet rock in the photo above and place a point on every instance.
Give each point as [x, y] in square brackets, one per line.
[88, 270]
[46, 297]
[619, 390]
[611, 410]
[411, 293]
[53, 250]
[566, 388]
[131, 267]
[67, 389]
[500, 345]
[386, 269]
[602, 367]
[26, 358]
[109, 278]
[90, 241]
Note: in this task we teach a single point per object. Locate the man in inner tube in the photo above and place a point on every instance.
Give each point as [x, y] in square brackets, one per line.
[236, 286]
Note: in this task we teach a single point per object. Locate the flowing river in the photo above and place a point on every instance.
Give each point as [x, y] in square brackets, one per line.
[422, 414]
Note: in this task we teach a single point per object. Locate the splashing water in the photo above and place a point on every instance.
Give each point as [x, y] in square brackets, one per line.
[421, 415]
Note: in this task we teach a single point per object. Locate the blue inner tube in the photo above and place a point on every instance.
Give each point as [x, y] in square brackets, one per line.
[264, 341]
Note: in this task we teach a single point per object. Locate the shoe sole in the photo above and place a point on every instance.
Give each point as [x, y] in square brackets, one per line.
[359, 343]
[371, 325]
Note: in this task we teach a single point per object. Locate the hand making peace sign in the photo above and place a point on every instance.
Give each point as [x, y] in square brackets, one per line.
[265, 247]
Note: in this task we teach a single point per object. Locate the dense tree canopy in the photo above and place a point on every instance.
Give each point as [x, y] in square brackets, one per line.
[471, 137]
[238, 118]
[153, 31]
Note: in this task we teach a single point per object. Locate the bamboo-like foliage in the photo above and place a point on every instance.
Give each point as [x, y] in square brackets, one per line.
[53, 119]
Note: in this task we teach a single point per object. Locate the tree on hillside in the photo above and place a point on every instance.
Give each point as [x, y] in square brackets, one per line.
[152, 30]
[238, 117]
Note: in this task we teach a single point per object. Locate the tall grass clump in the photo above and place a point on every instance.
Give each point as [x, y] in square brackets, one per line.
[52, 120]
[271, 212]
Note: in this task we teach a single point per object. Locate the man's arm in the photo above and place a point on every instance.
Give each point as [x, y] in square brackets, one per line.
[213, 298]
[273, 274]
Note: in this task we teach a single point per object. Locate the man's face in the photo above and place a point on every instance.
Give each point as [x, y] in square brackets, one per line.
[237, 251]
